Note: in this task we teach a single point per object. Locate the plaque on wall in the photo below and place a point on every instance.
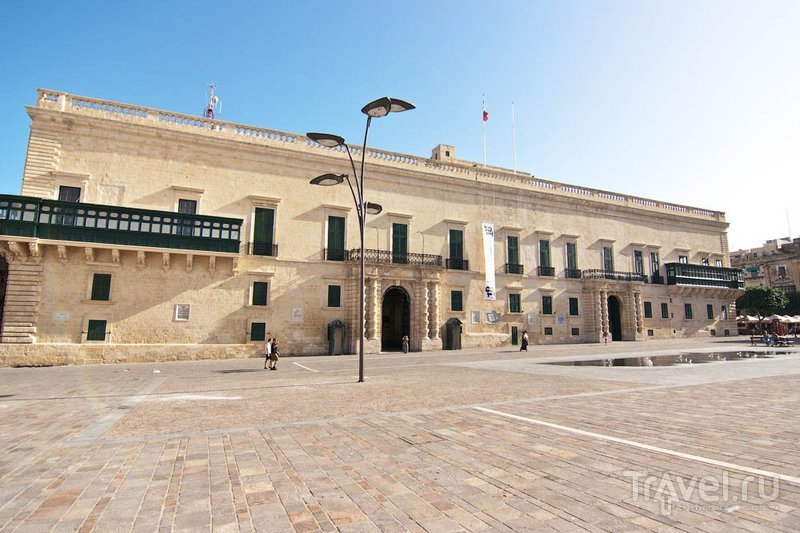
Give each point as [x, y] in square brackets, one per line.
[475, 316]
[297, 314]
[531, 318]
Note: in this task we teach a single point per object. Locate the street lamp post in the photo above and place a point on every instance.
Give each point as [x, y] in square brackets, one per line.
[378, 108]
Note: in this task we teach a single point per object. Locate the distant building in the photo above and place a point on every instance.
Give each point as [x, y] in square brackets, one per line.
[775, 264]
[144, 234]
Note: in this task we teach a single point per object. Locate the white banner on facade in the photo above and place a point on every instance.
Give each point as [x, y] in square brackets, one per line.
[489, 289]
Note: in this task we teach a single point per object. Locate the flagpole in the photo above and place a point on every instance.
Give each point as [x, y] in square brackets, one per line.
[514, 136]
[484, 130]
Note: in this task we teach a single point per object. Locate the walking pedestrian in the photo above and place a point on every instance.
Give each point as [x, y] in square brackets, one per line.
[524, 345]
[267, 352]
[405, 343]
[276, 353]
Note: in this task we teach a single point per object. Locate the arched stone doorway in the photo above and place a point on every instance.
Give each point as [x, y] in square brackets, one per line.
[396, 318]
[614, 318]
[3, 283]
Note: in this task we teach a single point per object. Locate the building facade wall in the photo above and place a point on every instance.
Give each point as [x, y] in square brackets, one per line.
[151, 165]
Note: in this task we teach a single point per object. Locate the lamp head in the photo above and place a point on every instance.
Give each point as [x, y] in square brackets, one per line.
[374, 209]
[379, 108]
[326, 139]
[328, 180]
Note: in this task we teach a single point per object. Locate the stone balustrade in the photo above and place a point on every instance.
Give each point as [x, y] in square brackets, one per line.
[116, 111]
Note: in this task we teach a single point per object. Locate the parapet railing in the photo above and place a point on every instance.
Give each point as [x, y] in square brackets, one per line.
[125, 112]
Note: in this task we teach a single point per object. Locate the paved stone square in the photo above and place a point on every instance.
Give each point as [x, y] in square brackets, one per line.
[434, 441]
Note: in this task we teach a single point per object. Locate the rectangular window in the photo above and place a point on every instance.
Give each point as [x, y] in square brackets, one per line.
[513, 250]
[334, 295]
[648, 310]
[781, 271]
[638, 262]
[456, 301]
[96, 330]
[687, 310]
[575, 332]
[260, 291]
[514, 305]
[683, 259]
[182, 312]
[724, 312]
[263, 229]
[548, 331]
[719, 263]
[335, 239]
[258, 331]
[710, 311]
[456, 244]
[608, 259]
[547, 305]
[664, 310]
[654, 263]
[69, 194]
[187, 207]
[399, 243]
[572, 256]
[704, 261]
[101, 287]
[544, 253]
[573, 307]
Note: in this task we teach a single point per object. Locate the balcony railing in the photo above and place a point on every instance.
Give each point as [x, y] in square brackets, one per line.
[514, 268]
[704, 276]
[262, 248]
[25, 216]
[573, 273]
[597, 273]
[385, 257]
[334, 254]
[546, 271]
[457, 264]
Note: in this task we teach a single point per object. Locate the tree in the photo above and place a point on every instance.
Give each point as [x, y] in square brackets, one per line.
[793, 304]
[761, 301]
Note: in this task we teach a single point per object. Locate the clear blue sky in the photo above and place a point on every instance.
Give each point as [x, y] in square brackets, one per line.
[690, 102]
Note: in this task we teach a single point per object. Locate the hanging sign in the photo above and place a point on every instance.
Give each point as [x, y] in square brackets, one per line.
[489, 288]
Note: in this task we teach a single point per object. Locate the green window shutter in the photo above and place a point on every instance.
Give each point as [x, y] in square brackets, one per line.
[101, 287]
[687, 308]
[260, 291]
[336, 238]
[608, 259]
[664, 310]
[399, 239]
[572, 256]
[638, 262]
[263, 230]
[544, 253]
[710, 311]
[96, 330]
[334, 296]
[258, 331]
[648, 310]
[513, 250]
[514, 303]
[573, 306]
[456, 301]
[547, 305]
[456, 244]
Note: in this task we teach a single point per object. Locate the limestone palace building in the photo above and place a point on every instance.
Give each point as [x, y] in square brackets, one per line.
[143, 234]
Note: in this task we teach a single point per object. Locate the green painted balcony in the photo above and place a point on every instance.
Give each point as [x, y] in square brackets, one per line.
[704, 276]
[25, 216]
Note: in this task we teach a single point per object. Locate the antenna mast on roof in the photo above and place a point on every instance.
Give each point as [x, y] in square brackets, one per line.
[213, 103]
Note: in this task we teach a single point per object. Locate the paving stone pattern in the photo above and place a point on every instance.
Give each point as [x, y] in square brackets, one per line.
[228, 446]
